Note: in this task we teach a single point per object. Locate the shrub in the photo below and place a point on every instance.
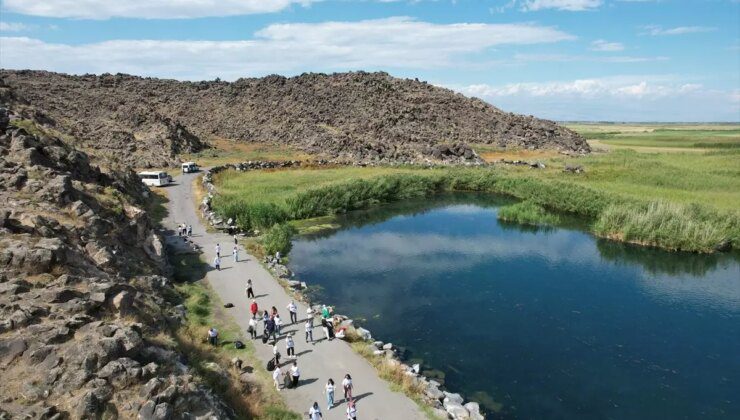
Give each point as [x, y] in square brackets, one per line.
[527, 212]
[669, 225]
[278, 239]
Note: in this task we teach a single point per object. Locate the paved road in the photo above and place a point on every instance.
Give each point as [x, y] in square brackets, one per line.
[317, 363]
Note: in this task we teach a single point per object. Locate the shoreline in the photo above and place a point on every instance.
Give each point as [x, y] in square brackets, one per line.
[443, 404]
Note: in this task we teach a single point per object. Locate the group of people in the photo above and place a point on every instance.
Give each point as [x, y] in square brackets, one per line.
[184, 230]
[271, 330]
[314, 412]
[234, 253]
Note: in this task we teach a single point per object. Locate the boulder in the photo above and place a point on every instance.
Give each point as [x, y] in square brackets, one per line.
[453, 398]
[457, 411]
[474, 411]
[363, 333]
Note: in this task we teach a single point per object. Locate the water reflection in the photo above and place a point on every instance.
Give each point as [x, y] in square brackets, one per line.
[538, 323]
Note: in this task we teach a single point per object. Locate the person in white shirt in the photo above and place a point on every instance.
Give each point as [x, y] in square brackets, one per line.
[218, 250]
[253, 328]
[213, 336]
[314, 413]
[309, 331]
[235, 253]
[295, 374]
[293, 310]
[347, 387]
[217, 263]
[290, 346]
[278, 324]
[276, 377]
[330, 394]
[351, 411]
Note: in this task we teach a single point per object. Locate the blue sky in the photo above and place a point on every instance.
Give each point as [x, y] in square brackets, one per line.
[614, 60]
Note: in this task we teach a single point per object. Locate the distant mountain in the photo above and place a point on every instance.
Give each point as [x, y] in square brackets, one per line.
[355, 116]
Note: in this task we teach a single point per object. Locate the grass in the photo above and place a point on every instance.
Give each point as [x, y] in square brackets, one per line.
[527, 213]
[259, 199]
[663, 136]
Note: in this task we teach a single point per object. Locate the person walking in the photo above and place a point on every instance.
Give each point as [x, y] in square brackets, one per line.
[309, 330]
[351, 411]
[278, 324]
[218, 250]
[236, 240]
[213, 336]
[290, 346]
[190, 230]
[276, 354]
[217, 263]
[347, 387]
[235, 253]
[250, 292]
[295, 373]
[253, 307]
[252, 328]
[265, 317]
[276, 376]
[293, 311]
[270, 329]
[329, 390]
[314, 413]
[274, 311]
[325, 327]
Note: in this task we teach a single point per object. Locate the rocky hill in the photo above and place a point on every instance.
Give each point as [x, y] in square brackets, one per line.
[83, 299]
[347, 116]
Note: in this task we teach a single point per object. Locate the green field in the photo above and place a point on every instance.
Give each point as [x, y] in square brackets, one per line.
[670, 199]
[706, 136]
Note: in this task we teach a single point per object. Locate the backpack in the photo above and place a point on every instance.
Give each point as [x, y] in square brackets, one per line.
[228, 305]
[271, 365]
[264, 338]
[238, 344]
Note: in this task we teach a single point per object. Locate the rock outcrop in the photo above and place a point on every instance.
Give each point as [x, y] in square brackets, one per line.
[355, 117]
[82, 295]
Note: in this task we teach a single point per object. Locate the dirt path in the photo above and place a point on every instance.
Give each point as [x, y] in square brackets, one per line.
[317, 362]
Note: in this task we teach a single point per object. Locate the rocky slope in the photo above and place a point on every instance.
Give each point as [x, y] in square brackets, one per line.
[83, 303]
[348, 116]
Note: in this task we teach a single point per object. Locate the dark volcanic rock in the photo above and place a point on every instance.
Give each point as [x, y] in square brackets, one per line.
[80, 290]
[357, 116]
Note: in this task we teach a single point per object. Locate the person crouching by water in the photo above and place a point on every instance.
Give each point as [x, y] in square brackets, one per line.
[213, 336]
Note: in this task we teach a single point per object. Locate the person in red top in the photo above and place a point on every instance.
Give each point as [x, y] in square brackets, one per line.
[253, 308]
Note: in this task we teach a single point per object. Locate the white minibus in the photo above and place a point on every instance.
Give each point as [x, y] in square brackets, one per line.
[155, 179]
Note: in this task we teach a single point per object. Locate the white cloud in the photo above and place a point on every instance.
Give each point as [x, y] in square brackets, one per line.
[656, 30]
[569, 5]
[282, 48]
[619, 98]
[146, 9]
[603, 45]
[13, 27]
[523, 58]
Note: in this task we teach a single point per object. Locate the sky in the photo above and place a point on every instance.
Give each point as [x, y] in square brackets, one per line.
[566, 60]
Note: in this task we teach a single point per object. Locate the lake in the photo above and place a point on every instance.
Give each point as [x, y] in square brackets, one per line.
[536, 323]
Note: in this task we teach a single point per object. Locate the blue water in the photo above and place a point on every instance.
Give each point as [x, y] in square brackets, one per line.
[537, 323]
